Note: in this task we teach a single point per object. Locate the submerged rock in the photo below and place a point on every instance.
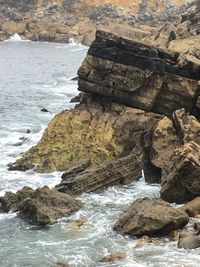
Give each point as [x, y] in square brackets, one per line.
[151, 217]
[41, 206]
[75, 225]
[44, 110]
[116, 256]
[61, 264]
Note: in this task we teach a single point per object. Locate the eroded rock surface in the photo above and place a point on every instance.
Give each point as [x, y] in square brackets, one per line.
[189, 242]
[192, 208]
[180, 179]
[41, 206]
[119, 171]
[140, 75]
[152, 217]
[96, 129]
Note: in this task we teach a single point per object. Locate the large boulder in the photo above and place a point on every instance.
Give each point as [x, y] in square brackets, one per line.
[41, 206]
[96, 129]
[152, 217]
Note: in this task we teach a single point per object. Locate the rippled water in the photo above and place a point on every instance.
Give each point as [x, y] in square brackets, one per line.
[37, 75]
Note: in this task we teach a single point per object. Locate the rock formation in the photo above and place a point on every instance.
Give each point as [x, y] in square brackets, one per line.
[119, 171]
[96, 129]
[41, 206]
[151, 217]
[139, 75]
[139, 110]
[180, 180]
[60, 20]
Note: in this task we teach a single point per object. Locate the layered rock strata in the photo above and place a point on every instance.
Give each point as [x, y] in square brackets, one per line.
[139, 75]
[119, 171]
[128, 88]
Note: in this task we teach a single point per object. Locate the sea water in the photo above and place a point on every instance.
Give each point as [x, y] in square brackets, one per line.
[35, 76]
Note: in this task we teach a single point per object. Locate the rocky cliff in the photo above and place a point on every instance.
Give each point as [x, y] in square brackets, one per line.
[143, 76]
[60, 20]
[139, 110]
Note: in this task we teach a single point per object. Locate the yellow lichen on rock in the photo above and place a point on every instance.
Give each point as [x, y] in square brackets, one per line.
[71, 136]
[96, 130]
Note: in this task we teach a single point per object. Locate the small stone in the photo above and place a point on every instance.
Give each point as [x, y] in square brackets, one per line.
[143, 241]
[44, 110]
[62, 264]
[116, 256]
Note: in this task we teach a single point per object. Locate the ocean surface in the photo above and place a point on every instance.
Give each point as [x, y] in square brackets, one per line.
[35, 76]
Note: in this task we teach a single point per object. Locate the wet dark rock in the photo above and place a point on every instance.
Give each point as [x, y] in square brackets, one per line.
[11, 201]
[21, 142]
[196, 227]
[44, 110]
[20, 167]
[75, 78]
[151, 217]
[77, 98]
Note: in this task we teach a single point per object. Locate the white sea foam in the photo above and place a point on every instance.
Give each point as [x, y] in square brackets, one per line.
[45, 246]
[16, 38]
[77, 46]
